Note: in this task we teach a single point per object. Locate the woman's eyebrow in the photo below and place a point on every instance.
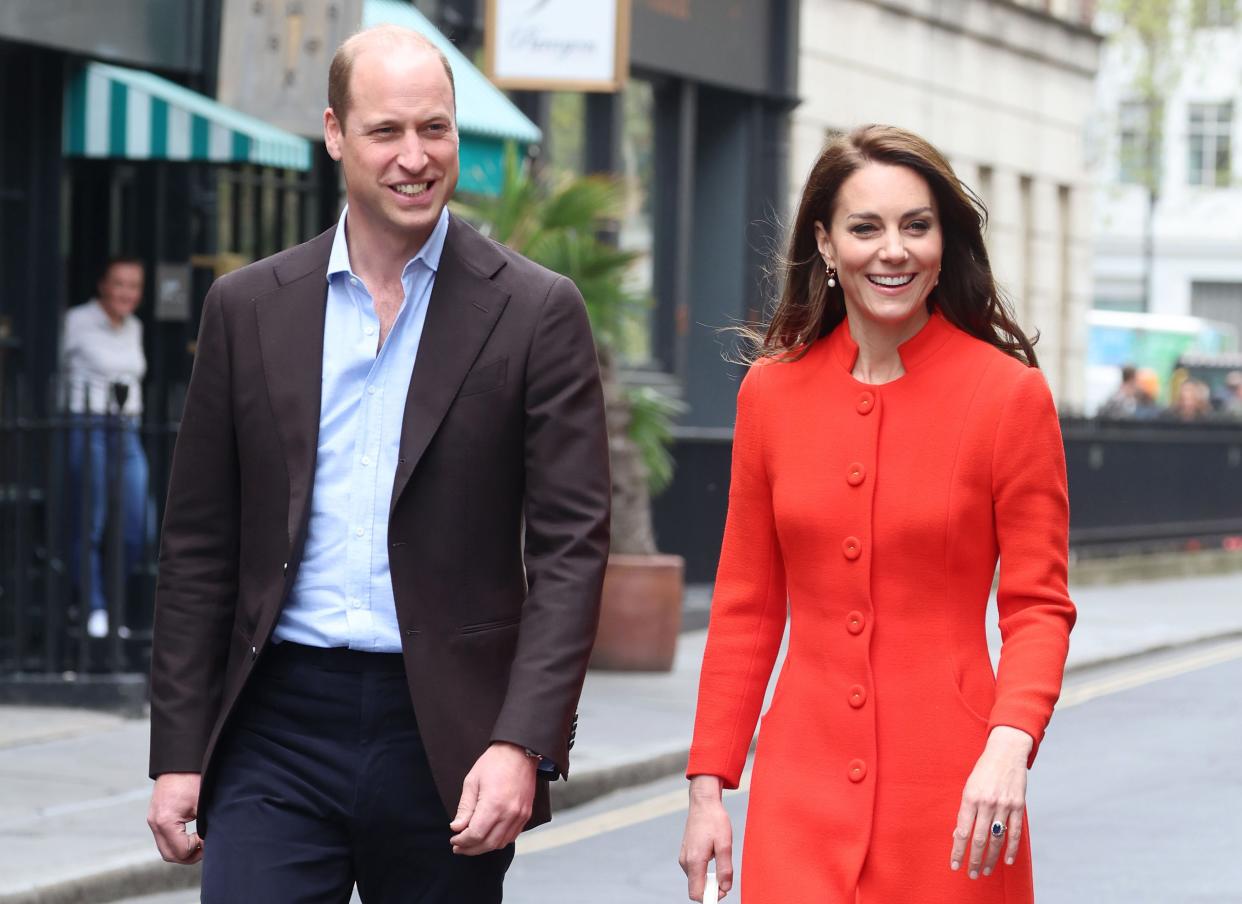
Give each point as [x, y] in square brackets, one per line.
[868, 215]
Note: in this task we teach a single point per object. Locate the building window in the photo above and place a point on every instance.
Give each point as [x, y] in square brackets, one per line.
[1215, 13]
[1134, 165]
[1208, 144]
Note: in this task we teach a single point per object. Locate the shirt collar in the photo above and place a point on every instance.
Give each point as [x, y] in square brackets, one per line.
[429, 254]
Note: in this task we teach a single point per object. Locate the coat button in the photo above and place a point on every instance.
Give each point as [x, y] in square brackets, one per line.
[852, 548]
[866, 402]
[858, 770]
[854, 622]
[858, 696]
[855, 474]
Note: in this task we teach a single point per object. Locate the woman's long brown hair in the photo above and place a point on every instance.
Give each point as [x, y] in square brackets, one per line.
[967, 293]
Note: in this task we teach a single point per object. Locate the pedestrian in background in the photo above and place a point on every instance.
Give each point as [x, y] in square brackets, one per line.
[1126, 400]
[1233, 394]
[386, 533]
[102, 365]
[1192, 401]
[893, 437]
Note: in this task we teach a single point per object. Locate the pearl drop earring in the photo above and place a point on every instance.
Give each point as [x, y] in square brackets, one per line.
[832, 276]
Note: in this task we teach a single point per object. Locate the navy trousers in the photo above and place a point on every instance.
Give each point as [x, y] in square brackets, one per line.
[323, 782]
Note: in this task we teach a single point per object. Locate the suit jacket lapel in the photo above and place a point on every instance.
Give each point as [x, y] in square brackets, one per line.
[291, 322]
[461, 313]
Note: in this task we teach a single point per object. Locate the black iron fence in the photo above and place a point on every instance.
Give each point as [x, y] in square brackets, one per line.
[1134, 486]
[81, 495]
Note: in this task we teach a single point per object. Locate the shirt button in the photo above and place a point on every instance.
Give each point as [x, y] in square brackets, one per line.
[855, 474]
[366, 459]
[852, 548]
[355, 602]
[370, 390]
[370, 331]
[866, 402]
[854, 622]
[353, 280]
[858, 696]
[358, 532]
[858, 770]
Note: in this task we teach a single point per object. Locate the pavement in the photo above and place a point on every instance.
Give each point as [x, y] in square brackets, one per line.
[74, 788]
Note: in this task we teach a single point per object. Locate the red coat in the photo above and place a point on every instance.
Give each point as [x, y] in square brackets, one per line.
[879, 512]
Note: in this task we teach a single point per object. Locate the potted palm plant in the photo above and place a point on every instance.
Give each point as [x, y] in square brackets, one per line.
[560, 227]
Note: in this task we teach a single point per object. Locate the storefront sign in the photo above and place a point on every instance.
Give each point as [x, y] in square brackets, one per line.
[172, 292]
[558, 45]
[274, 57]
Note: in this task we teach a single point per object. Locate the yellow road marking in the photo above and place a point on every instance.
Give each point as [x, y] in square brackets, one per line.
[611, 820]
[1078, 693]
[1075, 693]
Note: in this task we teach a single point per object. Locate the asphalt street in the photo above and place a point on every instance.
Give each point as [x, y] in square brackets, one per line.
[1135, 799]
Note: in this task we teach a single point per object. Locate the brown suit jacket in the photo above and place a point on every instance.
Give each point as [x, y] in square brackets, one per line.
[498, 527]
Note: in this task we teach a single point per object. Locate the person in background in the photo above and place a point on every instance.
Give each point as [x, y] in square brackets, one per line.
[1147, 408]
[1191, 403]
[1123, 403]
[102, 366]
[1233, 398]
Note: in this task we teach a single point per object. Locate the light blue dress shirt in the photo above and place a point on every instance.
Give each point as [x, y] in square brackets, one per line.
[342, 595]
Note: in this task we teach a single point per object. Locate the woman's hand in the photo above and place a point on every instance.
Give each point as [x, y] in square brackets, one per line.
[995, 791]
[709, 836]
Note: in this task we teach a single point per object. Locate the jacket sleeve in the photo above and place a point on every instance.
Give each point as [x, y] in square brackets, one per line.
[1031, 505]
[749, 606]
[567, 508]
[196, 593]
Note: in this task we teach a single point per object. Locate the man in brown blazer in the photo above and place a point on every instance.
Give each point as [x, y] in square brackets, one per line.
[385, 536]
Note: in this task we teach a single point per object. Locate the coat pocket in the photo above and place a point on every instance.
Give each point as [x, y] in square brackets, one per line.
[484, 378]
[493, 625]
[957, 679]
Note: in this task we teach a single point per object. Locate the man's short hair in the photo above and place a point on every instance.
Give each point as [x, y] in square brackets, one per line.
[120, 260]
[342, 67]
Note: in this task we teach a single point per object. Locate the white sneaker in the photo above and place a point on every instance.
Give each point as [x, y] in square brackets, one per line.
[97, 624]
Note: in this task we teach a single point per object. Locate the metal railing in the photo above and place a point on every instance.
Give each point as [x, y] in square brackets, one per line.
[81, 495]
[1135, 486]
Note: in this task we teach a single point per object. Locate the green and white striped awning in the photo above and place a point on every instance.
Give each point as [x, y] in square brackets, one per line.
[111, 111]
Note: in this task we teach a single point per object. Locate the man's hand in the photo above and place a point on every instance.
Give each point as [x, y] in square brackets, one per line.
[496, 800]
[174, 802]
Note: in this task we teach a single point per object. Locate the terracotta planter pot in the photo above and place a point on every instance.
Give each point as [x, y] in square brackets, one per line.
[640, 614]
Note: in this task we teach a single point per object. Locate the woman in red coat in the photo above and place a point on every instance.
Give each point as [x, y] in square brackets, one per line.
[893, 440]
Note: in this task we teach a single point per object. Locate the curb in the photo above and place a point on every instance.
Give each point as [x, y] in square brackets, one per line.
[146, 874]
[1089, 572]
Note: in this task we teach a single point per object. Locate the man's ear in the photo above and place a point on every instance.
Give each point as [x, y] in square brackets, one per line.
[332, 133]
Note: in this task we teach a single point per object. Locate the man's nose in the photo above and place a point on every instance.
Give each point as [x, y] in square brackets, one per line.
[413, 155]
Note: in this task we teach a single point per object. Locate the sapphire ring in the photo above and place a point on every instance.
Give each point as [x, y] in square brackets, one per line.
[998, 829]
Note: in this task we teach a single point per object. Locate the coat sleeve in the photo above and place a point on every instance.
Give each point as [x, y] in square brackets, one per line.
[749, 606]
[196, 593]
[1031, 504]
[567, 508]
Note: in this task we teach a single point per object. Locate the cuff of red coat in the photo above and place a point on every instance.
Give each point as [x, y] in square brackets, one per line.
[1028, 725]
[700, 764]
